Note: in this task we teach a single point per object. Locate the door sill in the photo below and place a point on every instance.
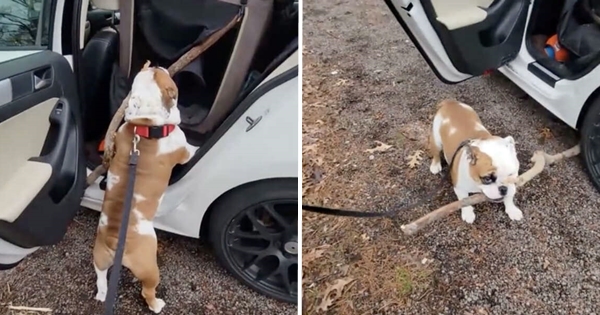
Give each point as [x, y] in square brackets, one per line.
[544, 74]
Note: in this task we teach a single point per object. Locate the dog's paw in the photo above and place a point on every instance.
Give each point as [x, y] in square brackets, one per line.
[158, 306]
[467, 214]
[101, 296]
[435, 167]
[514, 213]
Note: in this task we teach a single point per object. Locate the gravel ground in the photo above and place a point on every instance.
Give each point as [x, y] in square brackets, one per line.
[62, 278]
[364, 81]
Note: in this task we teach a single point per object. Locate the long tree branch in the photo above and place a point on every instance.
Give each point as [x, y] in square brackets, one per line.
[540, 160]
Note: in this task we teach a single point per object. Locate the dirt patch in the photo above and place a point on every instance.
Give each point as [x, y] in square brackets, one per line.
[62, 278]
[365, 84]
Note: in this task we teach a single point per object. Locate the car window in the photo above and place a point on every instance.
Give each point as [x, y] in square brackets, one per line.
[24, 24]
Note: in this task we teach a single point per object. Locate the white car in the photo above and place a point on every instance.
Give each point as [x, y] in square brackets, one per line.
[461, 39]
[63, 73]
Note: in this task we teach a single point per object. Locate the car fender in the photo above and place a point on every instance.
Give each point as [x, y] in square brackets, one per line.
[261, 144]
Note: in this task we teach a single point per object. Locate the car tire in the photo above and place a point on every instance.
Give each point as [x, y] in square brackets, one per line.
[254, 232]
[590, 142]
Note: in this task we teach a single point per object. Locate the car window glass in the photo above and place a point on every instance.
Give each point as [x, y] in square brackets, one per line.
[24, 24]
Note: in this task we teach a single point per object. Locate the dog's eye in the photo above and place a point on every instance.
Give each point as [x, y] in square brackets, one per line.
[488, 179]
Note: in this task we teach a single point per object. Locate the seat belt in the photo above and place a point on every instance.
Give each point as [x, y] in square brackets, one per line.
[126, 8]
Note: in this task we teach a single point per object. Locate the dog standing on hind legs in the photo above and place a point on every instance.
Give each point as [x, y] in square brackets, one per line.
[152, 114]
[484, 163]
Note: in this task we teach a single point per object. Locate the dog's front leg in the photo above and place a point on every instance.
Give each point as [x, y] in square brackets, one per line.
[466, 213]
[513, 212]
[190, 152]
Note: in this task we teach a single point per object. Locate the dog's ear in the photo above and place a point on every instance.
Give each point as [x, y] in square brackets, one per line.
[167, 87]
[146, 65]
[171, 92]
[472, 152]
[510, 143]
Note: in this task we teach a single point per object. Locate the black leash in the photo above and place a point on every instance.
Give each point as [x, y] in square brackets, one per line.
[113, 282]
[391, 213]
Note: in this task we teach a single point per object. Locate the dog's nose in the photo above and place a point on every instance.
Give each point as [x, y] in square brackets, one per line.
[503, 190]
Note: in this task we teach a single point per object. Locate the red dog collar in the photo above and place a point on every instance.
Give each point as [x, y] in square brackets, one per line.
[154, 132]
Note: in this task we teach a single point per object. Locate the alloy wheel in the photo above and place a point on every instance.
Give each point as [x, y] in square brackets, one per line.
[261, 244]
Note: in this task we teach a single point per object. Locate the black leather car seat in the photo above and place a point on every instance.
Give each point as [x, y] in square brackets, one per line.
[98, 57]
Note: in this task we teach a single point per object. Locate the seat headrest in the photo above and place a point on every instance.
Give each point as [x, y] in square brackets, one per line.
[106, 4]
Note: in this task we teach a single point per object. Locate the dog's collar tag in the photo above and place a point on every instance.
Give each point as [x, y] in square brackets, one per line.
[154, 132]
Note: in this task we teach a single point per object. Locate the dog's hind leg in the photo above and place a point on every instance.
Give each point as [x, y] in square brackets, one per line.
[103, 259]
[435, 147]
[142, 263]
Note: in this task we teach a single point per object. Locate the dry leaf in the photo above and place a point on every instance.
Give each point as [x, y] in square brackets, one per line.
[546, 133]
[381, 147]
[314, 254]
[325, 304]
[160, 246]
[344, 269]
[317, 160]
[333, 292]
[415, 159]
[309, 148]
[482, 311]
[341, 82]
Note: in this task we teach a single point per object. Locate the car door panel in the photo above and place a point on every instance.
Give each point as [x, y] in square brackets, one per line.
[42, 166]
[463, 38]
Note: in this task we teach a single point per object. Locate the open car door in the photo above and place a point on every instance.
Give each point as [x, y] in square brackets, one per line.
[460, 39]
[42, 166]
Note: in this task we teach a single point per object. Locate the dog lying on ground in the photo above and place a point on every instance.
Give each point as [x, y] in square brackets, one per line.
[482, 162]
[153, 115]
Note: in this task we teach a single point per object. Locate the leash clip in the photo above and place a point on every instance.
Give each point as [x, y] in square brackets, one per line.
[136, 139]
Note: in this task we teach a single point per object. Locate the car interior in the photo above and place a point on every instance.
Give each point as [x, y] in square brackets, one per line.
[211, 86]
[577, 26]
[478, 35]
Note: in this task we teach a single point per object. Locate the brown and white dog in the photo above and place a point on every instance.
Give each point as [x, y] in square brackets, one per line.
[151, 113]
[485, 164]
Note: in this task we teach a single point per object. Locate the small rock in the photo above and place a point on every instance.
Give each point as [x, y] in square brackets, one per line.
[371, 157]
[334, 72]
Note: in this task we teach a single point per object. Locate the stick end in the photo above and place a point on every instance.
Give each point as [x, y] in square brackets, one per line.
[409, 229]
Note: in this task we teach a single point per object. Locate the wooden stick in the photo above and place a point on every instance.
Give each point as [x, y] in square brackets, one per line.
[31, 309]
[182, 62]
[540, 159]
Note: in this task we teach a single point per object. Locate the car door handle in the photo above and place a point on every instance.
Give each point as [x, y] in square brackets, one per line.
[42, 78]
[41, 83]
